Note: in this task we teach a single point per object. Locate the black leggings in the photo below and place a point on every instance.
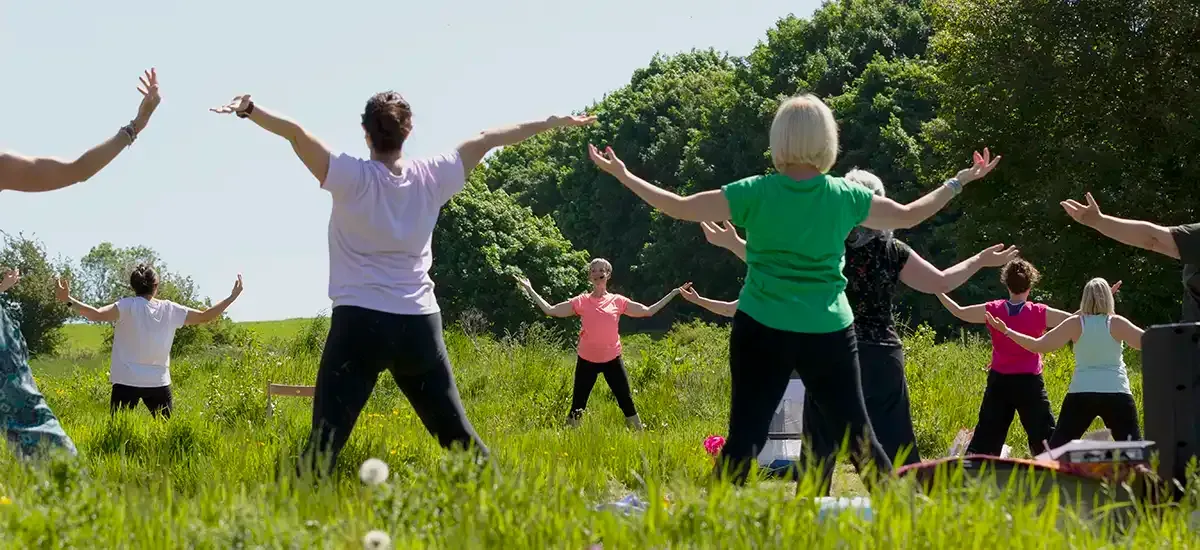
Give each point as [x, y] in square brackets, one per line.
[363, 343]
[761, 361]
[1006, 394]
[1117, 410]
[585, 377]
[159, 400]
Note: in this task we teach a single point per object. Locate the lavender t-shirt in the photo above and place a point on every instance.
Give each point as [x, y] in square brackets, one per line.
[381, 228]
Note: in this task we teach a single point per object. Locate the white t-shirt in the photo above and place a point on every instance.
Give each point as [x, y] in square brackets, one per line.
[142, 337]
[381, 228]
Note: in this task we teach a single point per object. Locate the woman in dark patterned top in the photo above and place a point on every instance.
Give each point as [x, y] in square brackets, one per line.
[875, 262]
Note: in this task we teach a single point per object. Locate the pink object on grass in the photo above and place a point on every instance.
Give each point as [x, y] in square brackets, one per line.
[713, 444]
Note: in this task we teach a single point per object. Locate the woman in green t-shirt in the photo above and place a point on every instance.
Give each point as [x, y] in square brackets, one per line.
[792, 312]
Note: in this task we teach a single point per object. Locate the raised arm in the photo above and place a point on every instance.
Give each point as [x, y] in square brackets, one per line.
[726, 309]
[1146, 235]
[1124, 330]
[196, 317]
[636, 309]
[1055, 317]
[724, 236]
[561, 309]
[888, 214]
[309, 149]
[38, 174]
[473, 150]
[708, 206]
[106, 314]
[922, 276]
[1048, 342]
[970, 314]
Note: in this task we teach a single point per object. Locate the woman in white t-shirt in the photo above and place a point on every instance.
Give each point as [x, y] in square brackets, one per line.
[143, 331]
[385, 315]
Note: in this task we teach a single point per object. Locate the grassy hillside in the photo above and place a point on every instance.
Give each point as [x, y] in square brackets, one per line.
[209, 477]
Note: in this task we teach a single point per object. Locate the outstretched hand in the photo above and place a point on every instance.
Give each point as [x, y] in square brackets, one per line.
[996, 255]
[1084, 214]
[237, 288]
[996, 323]
[1116, 288]
[607, 160]
[689, 293]
[721, 234]
[150, 98]
[980, 167]
[62, 289]
[524, 284]
[573, 120]
[237, 104]
[9, 277]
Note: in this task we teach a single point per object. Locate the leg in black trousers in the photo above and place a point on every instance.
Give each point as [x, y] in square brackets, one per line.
[1076, 414]
[159, 400]
[885, 390]
[123, 397]
[1033, 406]
[618, 381]
[585, 378]
[995, 416]
[1117, 410]
[1120, 416]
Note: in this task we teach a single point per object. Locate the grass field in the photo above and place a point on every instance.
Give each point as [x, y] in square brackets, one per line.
[210, 476]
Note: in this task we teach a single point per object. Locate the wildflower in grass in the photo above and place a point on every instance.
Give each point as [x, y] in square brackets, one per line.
[5, 501]
[373, 471]
[377, 540]
[713, 444]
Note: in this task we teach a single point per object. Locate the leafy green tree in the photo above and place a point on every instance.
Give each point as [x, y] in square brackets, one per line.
[31, 302]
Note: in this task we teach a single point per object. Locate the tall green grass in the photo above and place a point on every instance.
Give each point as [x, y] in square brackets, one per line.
[212, 476]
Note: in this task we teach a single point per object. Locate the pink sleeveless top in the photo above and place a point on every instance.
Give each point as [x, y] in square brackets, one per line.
[1007, 356]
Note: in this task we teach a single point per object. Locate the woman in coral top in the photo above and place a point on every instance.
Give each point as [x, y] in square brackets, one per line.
[1014, 383]
[599, 312]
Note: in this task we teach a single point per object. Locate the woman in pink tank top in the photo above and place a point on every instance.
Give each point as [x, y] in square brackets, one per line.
[599, 339]
[1014, 384]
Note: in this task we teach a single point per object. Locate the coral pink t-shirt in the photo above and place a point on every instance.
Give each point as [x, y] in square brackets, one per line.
[599, 339]
[1007, 356]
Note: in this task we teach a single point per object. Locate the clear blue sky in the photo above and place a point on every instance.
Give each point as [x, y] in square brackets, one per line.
[215, 195]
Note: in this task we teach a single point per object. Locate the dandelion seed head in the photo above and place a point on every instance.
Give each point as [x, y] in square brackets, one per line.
[377, 540]
[373, 471]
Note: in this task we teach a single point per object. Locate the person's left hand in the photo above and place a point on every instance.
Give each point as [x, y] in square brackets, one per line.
[607, 160]
[237, 288]
[997, 324]
[982, 165]
[9, 277]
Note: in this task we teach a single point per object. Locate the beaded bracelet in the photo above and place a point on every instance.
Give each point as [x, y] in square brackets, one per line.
[129, 133]
[954, 185]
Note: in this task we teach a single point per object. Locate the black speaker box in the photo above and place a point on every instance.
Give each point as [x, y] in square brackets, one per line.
[1170, 394]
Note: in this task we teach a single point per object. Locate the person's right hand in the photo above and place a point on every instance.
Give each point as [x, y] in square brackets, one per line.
[982, 165]
[9, 277]
[722, 234]
[237, 288]
[62, 290]
[238, 104]
[996, 255]
[1086, 215]
[524, 285]
[688, 293]
[150, 97]
[997, 324]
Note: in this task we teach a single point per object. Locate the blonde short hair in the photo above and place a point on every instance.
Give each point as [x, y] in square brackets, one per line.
[602, 263]
[804, 132]
[868, 180]
[1097, 298]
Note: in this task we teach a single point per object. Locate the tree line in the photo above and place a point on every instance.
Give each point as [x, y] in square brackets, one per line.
[1096, 96]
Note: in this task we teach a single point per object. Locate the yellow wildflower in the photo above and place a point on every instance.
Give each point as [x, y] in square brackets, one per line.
[5, 501]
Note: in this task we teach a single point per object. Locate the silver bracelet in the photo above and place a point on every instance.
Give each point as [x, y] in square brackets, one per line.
[954, 185]
[129, 133]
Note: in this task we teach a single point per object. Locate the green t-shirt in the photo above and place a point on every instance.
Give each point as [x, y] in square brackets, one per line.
[795, 248]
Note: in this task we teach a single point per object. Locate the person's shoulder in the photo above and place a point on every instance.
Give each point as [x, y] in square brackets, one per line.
[1038, 307]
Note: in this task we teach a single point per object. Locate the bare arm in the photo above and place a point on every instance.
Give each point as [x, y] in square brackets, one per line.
[726, 309]
[1124, 330]
[636, 309]
[1056, 317]
[725, 236]
[195, 317]
[922, 276]
[970, 314]
[472, 151]
[888, 214]
[701, 207]
[39, 174]
[1145, 235]
[1056, 338]
[106, 314]
[309, 149]
[561, 309]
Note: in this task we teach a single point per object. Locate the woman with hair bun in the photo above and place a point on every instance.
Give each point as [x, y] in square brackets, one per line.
[1015, 384]
[385, 315]
[143, 330]
[1100, 385]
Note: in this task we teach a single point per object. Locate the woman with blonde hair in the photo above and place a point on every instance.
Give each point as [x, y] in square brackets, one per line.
[792, 313]
[599, 350]
[1100, 386]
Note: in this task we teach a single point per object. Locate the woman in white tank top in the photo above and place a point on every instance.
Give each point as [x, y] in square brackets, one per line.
[143, 331]
[1100, 385]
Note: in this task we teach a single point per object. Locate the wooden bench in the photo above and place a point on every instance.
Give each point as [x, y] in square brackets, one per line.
[286, 391]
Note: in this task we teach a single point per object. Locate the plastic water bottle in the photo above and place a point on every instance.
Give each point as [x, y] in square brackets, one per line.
[830, 507]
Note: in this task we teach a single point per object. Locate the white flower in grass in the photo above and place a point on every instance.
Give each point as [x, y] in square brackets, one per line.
[373, 471]
[377, 540]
